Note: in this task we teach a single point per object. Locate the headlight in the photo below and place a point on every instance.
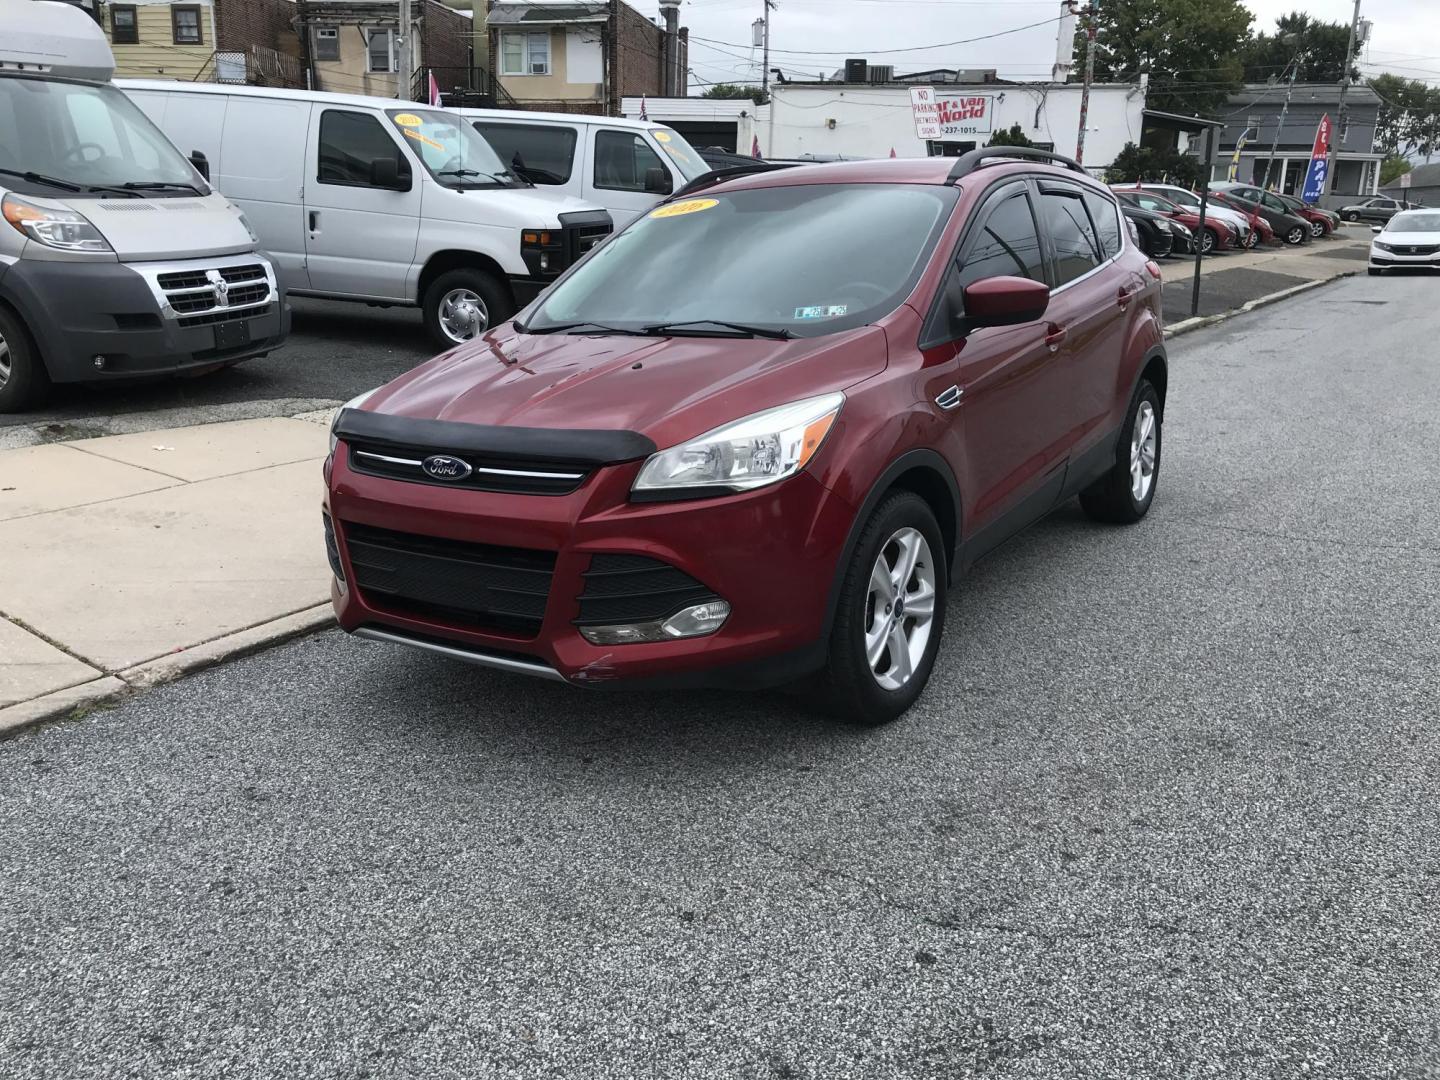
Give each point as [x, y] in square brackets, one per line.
[1163, 226]
[749, 453]
[1181, 228]
[63, 229]
[1382, 245]
[353, 403]
[543, 251]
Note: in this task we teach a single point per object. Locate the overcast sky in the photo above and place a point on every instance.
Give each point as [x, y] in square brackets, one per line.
[808, 37]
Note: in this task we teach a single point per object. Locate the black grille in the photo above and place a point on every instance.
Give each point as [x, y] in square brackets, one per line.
[1416, 249]
[480, 585]
[502, 475]
[634, 589]
[581, 238]
[226, 315]
[185, 279]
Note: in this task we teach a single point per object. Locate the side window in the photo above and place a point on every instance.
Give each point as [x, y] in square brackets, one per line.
[124, 30]
[185, 26]
[1271, 203]
[1007, 244]
[327, 43]
[379, 51]
[1107, 223]
[349, 142]
[1077, 249]
[622, 158]
[543, 155]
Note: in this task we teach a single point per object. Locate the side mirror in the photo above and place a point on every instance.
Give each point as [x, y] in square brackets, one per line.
[385, 173]
[201, 163]
[1377, 229]
[1005, 301]
[657, 181]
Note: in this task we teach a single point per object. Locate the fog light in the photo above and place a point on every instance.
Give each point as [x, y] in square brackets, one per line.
[697, 620]
[545, 263]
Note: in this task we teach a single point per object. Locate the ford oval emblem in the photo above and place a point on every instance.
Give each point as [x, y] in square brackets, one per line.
[445, 467]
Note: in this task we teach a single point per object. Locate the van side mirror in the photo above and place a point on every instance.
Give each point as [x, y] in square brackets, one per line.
[201, 163]
[1005, 301]
[657, 181]
[385, 173]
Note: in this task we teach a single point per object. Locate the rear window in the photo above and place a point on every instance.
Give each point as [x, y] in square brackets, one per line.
[1077, 248]
[540, 153]
[1106, 216]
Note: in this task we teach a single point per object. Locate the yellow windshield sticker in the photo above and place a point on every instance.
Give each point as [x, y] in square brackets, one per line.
[406, 119]
[689, 206]
[421, 138]
[662, 136]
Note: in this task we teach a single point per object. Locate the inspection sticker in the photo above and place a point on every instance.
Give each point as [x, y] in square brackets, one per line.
[662, 136]
[825, 312]
[406, 119]
[689, 206]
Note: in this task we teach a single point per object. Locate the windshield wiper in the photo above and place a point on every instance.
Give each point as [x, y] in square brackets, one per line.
[499, 179]
[158, 185]
[40, 178]
[579, 328]
[742, 329]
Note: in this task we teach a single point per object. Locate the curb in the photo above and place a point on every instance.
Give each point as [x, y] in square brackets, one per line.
[110, 688]
[1185, 326]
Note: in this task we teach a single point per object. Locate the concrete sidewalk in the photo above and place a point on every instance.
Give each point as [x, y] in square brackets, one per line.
[131, 558]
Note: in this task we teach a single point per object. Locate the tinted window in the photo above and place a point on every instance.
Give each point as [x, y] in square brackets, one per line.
[1007, 244]
[1077, 250]
[542, 155]
[621, 160]
[1158, 206]
[1107, 223]
[1272, 203]
[810, 259]
[349, 142]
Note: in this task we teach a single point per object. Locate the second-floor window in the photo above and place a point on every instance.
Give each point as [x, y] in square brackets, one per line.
[185, 25]
[525, 54]
[379, 51]
[123, 28]
[327, 43]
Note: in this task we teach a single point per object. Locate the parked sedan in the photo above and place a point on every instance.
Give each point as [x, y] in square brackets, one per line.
[1190, 201]
[1157, 235]
[1217, 235]
[1374, 210]
[1290, 227]
[1322, 222]
[1410, 239]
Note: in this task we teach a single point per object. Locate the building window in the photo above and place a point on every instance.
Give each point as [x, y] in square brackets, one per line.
[185, 26]
[379, 51]
[525, 54]
[123, 29]
[326, 43]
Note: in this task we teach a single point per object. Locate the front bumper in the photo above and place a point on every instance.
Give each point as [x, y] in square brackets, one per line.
[117, 312]
[771, 554]
[1396, 259]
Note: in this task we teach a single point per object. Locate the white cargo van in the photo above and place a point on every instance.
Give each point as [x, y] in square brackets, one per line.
[116, 258]
[626, 166]
[378, 200]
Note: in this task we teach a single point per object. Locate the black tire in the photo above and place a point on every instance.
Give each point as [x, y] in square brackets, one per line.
[1318, 230]
[1112, 497]
[494, 303]
[1352, 216]
[1295, 235]
[851, 687]
[1252, 240]
[1209, 241]
[26, 383]
[1374, 271]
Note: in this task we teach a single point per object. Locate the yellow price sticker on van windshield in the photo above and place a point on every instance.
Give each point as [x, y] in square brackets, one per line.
[662, 136]
[406, 119]
[689, 206]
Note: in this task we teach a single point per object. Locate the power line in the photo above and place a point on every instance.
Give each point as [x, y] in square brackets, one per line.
[885, 52]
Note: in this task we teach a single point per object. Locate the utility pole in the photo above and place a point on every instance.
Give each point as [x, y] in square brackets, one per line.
[765, 63]
[1340, 122]
[403, 76]
[1089, 78]
[1284, 112]
[670, 75]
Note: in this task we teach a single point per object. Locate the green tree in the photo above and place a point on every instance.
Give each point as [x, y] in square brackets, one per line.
[1145, 164]
[1015, 136]
[736, 91]
[1189, 48]
[1392, 168]
[1318, 47]
[1409, 121]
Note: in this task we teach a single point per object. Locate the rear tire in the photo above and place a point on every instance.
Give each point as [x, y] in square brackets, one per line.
[882, 652]
[24, 382]
[1124, 494]
[461, 304]
[1352, 216]
[1295, 236]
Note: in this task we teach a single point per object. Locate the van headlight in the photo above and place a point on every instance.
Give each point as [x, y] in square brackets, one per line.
[750, 453]
[353, 403]
[63, 229]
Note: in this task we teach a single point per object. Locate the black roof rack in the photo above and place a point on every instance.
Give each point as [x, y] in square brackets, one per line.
[716, 176]
[969, 162]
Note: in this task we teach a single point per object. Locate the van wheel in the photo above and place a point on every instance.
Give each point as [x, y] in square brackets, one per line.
[1124, 494]
[890, 616]
[462, 304]
[23, 379]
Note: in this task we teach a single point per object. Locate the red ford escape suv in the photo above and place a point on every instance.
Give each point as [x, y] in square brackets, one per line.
[759, 433]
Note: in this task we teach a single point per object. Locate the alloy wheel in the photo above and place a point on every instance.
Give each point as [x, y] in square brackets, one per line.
[5, 362]
[1252, 239]
[463, 314]
[900, 608]
[1295, 236]
[1317, 229]
[1207, 242]
[1143, 440]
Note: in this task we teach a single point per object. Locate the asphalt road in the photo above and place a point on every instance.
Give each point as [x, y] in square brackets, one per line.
[1170, 808]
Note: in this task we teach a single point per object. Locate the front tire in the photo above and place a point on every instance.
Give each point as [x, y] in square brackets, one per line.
[1374, 271]
[1352, 217]
[1124, 494]
[890, 616]
[24, 382]
[1209, 241]
[1295, 236]
[1318, 230]
[463, 304]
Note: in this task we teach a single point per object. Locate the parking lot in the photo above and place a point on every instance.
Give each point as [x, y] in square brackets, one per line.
[1168, 807]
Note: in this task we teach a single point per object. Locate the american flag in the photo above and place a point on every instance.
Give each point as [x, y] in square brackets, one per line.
[755, 148]
[644, 116]
[434, 88]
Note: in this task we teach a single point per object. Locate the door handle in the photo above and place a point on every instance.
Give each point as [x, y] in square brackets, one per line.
[1054, 336]
[1126, 295]
[314, 221]
[950, 397]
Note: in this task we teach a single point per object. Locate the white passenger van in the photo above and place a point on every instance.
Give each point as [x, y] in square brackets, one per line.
[626, 166]
[117, 260]
[379, 200]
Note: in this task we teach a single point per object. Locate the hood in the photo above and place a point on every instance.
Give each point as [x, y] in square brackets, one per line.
[519, 208]
[146, 229]
[1409, 239]
[669, 389]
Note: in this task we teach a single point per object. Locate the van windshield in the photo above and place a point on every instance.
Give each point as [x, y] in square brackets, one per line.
[686, 158]
[454, 152]
[86, 138]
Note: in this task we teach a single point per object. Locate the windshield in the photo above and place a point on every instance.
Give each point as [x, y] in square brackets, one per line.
[454, 152]
[690, 163]
[1415, 222]
[86, 137]
[804, 260]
